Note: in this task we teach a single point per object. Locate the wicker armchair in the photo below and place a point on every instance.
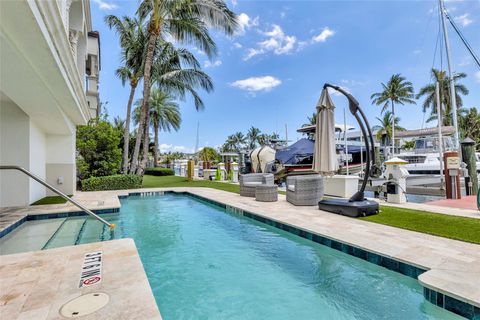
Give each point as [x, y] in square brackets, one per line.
[305, 190]
[249, 181]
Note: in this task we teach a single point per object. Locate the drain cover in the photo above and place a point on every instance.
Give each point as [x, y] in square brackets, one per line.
[85, 304]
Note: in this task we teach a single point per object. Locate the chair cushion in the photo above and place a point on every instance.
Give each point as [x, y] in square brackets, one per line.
[291, 187]
[252, 184]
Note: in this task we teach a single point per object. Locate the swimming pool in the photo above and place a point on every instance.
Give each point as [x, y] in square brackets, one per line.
[205, 263]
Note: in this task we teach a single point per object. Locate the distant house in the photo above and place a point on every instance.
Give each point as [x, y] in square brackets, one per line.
[49, 65]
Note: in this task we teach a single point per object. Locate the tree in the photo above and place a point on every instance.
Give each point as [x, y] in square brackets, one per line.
[430, 101]
[118, 124]
[396, 91]
[208, 154]
[385, 129]
[132, 41]
[164, 115]
[252, 136]
[311, 120]
[238, 140]
[177, 72]
[98, 150]
[186, 22]
[409, 145]
[470, 125]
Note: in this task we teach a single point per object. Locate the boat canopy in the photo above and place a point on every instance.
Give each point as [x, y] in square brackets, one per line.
[295, 153]
[301, 152]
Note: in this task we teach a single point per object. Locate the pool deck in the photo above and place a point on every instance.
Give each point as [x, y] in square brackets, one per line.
[34, 285]
[453, 266]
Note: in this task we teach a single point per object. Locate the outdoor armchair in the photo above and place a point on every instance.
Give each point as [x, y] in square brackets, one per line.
[249, 181]
[305, 190]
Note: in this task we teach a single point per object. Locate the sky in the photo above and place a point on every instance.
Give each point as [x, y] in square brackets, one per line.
[271, 72]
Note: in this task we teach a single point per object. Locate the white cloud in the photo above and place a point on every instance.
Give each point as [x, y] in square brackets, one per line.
[283, 14]
[234, 2]
[172, 148]
[277, 42]
[324, 35]
[254, 84]
[465, 61]
[251, 52]
[104, 5]
[245, 23]
[337, 93]
[417, 51]
[301, 45]
[213, 64]
[477, 76]
[237, 45]
[353, 82]
[463, 20]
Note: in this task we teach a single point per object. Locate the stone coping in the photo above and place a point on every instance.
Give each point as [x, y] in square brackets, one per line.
[34, 285]
[453, 267]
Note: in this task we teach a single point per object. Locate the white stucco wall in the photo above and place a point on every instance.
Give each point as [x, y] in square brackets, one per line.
[14, 150]
[37, 150]
[60, 163]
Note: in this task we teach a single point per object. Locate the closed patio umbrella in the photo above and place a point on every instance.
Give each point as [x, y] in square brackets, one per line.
[324, 155]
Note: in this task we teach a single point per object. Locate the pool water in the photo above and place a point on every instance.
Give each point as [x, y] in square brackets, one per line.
[205, 263]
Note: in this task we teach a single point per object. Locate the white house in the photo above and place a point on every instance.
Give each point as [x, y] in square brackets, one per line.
[49, 67]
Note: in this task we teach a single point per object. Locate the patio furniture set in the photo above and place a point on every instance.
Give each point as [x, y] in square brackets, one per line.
[304, 190]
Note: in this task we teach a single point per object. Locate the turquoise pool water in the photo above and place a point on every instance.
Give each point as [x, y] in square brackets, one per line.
[205, 263]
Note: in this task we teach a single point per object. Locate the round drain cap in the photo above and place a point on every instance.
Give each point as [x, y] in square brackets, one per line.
[85, 304]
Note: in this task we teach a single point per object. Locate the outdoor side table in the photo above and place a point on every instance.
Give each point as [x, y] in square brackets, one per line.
[266, 193]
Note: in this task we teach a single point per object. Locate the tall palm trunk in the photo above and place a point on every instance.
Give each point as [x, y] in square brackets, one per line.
[146, 143]
[155, 152]
[152, 40]
[393, 128]
[126, 132]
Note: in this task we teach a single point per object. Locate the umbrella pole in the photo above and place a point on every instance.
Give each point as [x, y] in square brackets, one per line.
[357, 205]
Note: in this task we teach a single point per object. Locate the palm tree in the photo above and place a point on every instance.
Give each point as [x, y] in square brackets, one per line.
[187, 22]
[430, 101]
[132, 40]
[396, 91]
[238, 140]
[470, 125]
[164, 116]
[311, 120]
[385, 129]
[252, 136]
[118, 124]
[177, 72]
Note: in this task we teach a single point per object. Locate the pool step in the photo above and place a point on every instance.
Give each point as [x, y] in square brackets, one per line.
[30, 236]
[67, 234]
[91, 232]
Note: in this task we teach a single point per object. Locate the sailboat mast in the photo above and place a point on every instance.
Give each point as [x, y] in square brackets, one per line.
[453, 99]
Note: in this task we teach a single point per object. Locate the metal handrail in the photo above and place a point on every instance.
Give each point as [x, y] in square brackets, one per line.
[60, 193]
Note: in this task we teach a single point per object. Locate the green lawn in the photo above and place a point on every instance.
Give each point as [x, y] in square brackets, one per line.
[173, 181]
[459, 228]
[50, 200]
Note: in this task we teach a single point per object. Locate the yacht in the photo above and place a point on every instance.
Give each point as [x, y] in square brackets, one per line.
[425, 157]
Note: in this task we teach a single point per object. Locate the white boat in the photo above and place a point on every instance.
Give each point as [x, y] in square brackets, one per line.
[425, 157]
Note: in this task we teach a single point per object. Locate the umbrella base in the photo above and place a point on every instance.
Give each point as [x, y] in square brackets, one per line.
[349, 208]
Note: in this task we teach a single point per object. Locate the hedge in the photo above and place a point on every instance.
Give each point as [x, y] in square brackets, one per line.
[159, 172]
[115, 182]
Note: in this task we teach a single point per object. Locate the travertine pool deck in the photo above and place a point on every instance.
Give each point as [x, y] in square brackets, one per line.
[34, 285]
[453, 266]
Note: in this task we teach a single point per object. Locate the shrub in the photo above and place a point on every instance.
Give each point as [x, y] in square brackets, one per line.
[115, 182]
[98, 153]
[159, 172]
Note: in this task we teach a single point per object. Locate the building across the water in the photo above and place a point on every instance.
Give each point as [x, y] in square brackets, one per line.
[50, 61]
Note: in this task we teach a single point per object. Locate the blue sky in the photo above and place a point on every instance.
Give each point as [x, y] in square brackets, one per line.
[270, 74]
